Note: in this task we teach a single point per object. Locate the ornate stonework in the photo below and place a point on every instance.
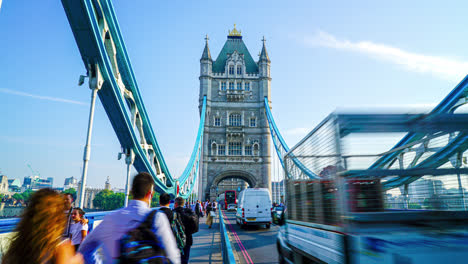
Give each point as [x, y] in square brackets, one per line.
[237, 137]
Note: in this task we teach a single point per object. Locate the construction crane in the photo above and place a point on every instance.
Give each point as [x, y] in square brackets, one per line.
[34, 173]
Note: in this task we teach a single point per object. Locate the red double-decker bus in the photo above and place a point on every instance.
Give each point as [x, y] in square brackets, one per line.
[230, 197]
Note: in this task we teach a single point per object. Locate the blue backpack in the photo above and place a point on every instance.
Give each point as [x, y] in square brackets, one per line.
[141, 245]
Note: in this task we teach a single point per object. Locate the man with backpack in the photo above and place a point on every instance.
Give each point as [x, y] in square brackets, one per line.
[190, 222]
[198, 209]
[175, 221]
[127, 227]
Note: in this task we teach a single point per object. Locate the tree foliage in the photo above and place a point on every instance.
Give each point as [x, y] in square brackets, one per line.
[72, 191]
[23, 196]
[155, 200]
[108, 200]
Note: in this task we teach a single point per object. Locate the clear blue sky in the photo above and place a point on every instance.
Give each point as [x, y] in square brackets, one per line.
[325, 54]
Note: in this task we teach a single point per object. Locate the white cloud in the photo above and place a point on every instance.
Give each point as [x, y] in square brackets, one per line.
[441, 67]
[40, 97]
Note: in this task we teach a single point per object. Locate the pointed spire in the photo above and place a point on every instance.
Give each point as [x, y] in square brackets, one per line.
[206, 52]
[264, 53]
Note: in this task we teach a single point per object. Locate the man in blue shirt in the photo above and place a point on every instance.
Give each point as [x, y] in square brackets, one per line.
[116, 224]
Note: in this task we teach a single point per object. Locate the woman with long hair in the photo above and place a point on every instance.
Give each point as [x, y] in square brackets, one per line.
[38, 235]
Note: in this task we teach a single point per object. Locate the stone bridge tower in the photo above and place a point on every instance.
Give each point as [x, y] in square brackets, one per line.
[237, 137]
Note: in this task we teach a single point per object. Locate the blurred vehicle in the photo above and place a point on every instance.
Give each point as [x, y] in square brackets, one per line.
[231, 207]
[277, 214]
[346, 207]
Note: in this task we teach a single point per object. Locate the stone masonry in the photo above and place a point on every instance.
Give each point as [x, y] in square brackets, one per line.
[237, 137]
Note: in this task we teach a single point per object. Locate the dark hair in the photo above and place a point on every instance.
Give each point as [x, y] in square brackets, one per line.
[68, 194]
[142, 184]
[164, 199]
[80, 211]
[179, 201]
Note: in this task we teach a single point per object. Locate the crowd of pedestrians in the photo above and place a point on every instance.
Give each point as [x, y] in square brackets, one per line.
[52, 231]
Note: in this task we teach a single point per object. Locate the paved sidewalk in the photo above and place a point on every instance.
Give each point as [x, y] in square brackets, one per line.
[206, 246]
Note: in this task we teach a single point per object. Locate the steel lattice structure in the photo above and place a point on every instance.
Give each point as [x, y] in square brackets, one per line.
[97, 34]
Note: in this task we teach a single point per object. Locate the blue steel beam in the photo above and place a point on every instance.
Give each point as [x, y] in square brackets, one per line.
[281, 146]
[96, 30]
[188, 178]
[456, 98]
[128, 77]
[447, 105]
[96, 42]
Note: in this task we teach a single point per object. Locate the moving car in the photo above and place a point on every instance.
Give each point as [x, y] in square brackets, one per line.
[277, 214]
[231, 207]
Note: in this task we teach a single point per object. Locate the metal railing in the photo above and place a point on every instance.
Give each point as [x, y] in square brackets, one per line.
[228, 255]
[8, 225]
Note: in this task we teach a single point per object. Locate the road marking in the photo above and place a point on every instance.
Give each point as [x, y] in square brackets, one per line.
[239, 242]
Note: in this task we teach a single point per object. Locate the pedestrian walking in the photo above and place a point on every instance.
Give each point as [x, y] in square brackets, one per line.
[38, 235]
[190, 222]
[198, 209]
[210, 214]
[78, 230]
[117, 224]
[164, 201]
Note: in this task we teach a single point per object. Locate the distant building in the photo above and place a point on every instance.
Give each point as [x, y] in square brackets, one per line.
[28, 180]
[51, 180]
[71, 182]
[107, 186]
[3, 184]
[35, 183]
[14, 185]
[423, 189]
[277, 192]
[90, 194]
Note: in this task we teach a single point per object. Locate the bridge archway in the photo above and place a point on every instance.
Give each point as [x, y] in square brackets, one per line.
[237, 174]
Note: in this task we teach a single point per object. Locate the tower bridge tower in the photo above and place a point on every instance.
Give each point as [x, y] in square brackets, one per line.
[237, 137]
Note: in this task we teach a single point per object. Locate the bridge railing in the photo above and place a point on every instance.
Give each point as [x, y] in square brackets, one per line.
[228, 255]
[8, 225]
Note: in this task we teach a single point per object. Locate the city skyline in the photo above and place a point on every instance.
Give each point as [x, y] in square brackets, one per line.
[323, 56]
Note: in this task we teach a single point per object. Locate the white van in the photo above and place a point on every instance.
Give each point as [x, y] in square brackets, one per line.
[254, 207]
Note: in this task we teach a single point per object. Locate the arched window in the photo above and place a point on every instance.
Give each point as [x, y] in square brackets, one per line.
[235, 120]
[239, 70]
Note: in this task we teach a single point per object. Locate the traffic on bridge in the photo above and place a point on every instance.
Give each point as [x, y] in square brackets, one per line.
[362, 186]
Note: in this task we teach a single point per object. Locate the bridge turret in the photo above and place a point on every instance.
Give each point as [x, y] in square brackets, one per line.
[206, 62]
[206, 66]
[264, 72]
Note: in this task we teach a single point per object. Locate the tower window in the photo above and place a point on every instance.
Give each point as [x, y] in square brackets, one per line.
[221, 150]
[223, 86]
[253, 122]
[248, 150]
[239, 86]
[231, 85]
[235, 148]
[235, 120]
[239, 70]
[231, 69]
[247, 86]
[217, 121]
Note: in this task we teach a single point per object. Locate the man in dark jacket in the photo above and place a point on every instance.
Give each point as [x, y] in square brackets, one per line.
[190, 222]
[198, 209]
[164, 201]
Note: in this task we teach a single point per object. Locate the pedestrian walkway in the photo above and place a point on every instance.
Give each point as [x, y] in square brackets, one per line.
[206, 246]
